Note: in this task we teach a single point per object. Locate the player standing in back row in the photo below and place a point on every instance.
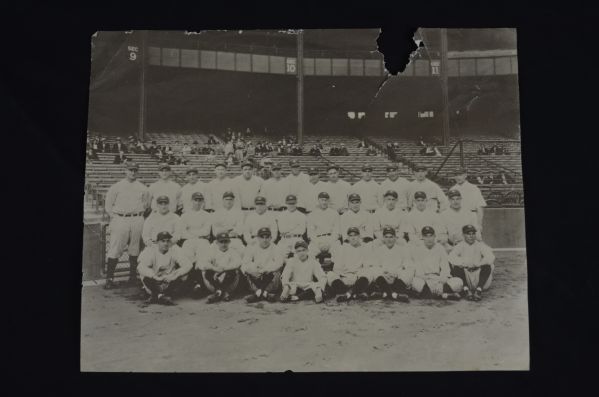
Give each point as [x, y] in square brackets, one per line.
[436, 198]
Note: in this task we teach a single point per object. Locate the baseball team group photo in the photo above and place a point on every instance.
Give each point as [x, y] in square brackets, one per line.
[258, 201]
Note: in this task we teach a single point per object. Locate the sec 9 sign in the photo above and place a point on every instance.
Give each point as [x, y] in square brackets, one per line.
[133, 52]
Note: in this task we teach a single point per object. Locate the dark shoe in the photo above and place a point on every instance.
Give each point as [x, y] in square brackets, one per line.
[165, 300]
[152, 299]
[132, 282]
[110, 284]
[213, 298]
[376, 295]
[363, 296]
[271, 297]
[402, 298]
[226, 297]
[197, 291]
[343, 298]
[253, 298]
[468, 294]
[478, 295]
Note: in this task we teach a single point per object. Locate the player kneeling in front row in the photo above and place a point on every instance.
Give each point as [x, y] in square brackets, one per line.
[396, 268]
[220, 268]
[163, 268]
[302, 277]
[262, 265]
[348, 279]
[472, 261]
[432, 273]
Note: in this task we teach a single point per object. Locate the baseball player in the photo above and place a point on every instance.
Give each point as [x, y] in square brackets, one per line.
[195, 227]
[297, 181]
[259, 219]
[165, 187]
[471, 196]
[349, 261]
[163, 268]
[292, 226]
[323, 226]
[455, 218]
[338, 190]
[217, 188]
[276, 189]
[160, 221]
[248, 187]
[229, 219]
[220, 268]
[390, 215]
[432, 275]
[396, 183]
[436, 198]
[368, 189]
[473, 261]
[308, 196]
[262, 265]
[355, 217]
[421, 215]
[193, 185]
[299, 275]
[125, 203]
[395, 264]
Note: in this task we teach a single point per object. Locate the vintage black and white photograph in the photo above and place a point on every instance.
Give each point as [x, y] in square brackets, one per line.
[273, 200]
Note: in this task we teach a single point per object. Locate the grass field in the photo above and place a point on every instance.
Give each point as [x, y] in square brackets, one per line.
[121, 333]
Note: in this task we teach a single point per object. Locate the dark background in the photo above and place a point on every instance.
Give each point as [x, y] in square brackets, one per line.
[45, 79]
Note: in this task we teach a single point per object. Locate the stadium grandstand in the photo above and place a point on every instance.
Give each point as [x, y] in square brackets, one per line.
[184, 97]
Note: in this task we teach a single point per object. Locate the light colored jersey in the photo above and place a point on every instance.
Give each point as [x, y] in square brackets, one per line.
[454, 221]
[189, 189]
[297, 184]
[476, 254]
[433, 192]
[157, 223]
[308, 196]
[166, 188]
[400, 186]
[153, 263]
[392, 260]
[338, 192]
[262, 260]
[472, 198]
[430, 260]
[254, 222]
[126, 197]
[216, 189]
[350, 259]
[322, 222]
[362, 220]
[386, 218]
[369, 193]
[224, 220]
[217, 260]
[416, 220]
[304, 272]
[195, 224]
[291, 223]
[275, 191]
[248, 189]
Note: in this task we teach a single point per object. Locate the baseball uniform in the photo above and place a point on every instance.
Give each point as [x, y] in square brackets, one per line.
[395, 218]
[455, 220]
[338, 191]
[161, 272]
[167, 188]
[308, 196]
[416, 220]
[219, 268]
[248, 189]
[369, 193]
[216, 189]
[255, 221]
[299, 274]
[432, 270]
[297, 183]
[292, 226]
[361, 219]
[157, 223]
[262, 267]
[195, 229]
[226, 221]
[472, 258]
[400, 186]
[189, 189]
[323, 228]
[472, 198]
[275, 191]
[437, 201]
[349, 261]
[394, 263]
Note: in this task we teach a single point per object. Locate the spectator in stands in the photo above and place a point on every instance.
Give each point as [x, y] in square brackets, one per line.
[119, 147]
[212, 140]
[91, 154]
[315, 151]
[334, 151]
[296, 150]
[343, 150]
[421, 141]
[362, 144]
[318, 144]
[437, 151]
[250, 150]
[103, 146]
[427, 151]
[230, 160]
[481, 149]
[120, 158]
[371, 151]
[239, 152]
[186, 149]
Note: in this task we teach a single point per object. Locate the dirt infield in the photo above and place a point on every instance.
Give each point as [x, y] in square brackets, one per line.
[119, 333]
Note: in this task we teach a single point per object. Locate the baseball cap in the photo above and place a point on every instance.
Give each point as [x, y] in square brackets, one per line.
[220, 164]
[264, 231]
[223, 236]
[461, 171]
[300, 244]
[192, 171]
[354, 197]
[468, 229]
[247, 164]
[132, 166]
[419, 195]
[392, 167]
[228, 194]
[290, 198]
[197, 195]
[428, 231]
[276, 166]
[366, 167]
[163, 167]
[323, 195]
[388, 230]
[454, 193]
[294, 163]
[420, 168]
[312, 171]
[391, 193]
[353, 230]
[163, 236]
[162, 200]
[332, 167]
[260, 200]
